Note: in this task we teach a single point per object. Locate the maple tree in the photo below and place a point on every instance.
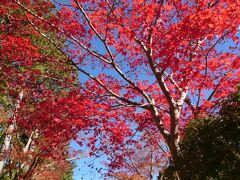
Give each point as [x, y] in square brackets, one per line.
[155, 64]
[34, 85]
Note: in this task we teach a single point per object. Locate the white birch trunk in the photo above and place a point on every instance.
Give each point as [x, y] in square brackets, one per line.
[8, 135]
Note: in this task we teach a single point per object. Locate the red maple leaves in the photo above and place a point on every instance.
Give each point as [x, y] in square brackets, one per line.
[167, 62]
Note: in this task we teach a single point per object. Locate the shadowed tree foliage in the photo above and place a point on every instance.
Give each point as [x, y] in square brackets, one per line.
[210, 148]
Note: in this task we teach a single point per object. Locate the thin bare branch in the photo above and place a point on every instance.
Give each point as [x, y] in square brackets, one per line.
[210, 49]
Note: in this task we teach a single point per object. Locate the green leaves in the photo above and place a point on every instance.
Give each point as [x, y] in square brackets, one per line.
[210, 147]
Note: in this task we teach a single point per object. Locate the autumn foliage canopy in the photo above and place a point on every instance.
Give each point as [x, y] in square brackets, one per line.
[146, 68]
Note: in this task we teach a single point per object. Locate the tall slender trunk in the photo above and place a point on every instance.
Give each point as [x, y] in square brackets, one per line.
[8, 134]
[175, 138]
[6, 146]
